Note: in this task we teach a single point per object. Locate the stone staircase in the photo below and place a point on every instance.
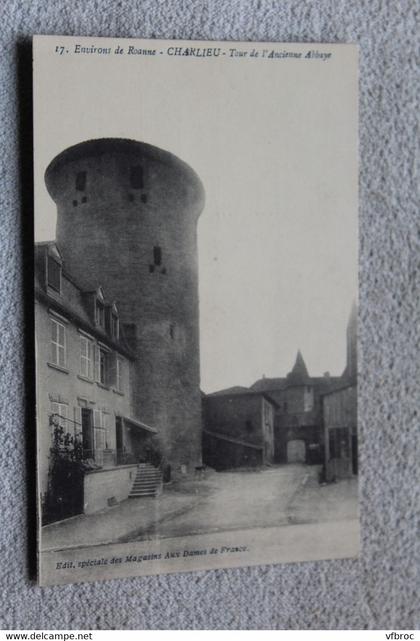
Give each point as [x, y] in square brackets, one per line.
[148, 481]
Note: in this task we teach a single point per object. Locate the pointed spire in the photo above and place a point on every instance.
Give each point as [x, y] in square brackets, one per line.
[299, 374]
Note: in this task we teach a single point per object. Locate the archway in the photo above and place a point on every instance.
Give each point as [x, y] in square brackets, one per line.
[296, 451]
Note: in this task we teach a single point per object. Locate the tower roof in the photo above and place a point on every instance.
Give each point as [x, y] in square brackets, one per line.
[98, 147]
[299, 374]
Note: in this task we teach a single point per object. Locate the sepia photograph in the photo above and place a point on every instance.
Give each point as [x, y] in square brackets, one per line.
[196, 283]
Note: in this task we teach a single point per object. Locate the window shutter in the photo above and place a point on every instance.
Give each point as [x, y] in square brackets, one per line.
[112, 369]
[90, 359]
[97, 418]
[97, 363]
[77, 420]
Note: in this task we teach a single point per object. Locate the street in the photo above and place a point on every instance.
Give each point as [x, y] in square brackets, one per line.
[262, 498]
[222, 501]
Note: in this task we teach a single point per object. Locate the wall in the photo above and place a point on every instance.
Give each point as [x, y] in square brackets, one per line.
[340, 413]
[248, 418]
[238, 416]
[221, 454]
[54, 384]
[124, 224]
[378, 591]
[102, 485]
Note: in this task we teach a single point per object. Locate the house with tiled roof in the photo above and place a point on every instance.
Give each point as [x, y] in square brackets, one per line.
[298, 430]
[84, 393]
[299, 403]
[238, 428]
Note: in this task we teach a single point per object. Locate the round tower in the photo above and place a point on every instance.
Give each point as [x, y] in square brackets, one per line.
[127, 220]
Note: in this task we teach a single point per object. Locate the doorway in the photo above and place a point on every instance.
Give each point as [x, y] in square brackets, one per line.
[296, 451]
[119, 440]
[87, 433]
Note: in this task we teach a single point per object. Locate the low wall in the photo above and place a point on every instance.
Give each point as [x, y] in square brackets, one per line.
[104, 487]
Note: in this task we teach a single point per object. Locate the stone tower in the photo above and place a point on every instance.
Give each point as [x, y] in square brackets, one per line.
[127, 217]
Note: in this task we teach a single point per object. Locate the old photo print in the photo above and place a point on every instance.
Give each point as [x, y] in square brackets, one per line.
[195, 305]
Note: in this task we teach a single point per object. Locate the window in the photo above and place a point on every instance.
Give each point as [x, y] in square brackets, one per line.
[157, 255]
[308, 399]
[119, 374]
[86, 357]
[115, 326]
[101, 365]
[81, 181]
[268, 413]
[100, 314]
[58, 343]
[136, 177]
[54, 274]
[59, 415]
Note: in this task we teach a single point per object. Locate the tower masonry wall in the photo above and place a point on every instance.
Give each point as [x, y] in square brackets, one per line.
[127, 220]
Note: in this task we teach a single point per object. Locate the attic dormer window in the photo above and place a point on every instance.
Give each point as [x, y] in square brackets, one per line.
[136, 177]
[100, 314]
[54, 274]
[81, 181]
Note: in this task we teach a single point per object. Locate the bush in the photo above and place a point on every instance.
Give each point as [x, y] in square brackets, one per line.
[64, 496]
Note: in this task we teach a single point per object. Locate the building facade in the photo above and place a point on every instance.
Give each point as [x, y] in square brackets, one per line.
[309, 415]
[238, 429]
[127, 217]
[299, 434]
[84, 385]
[339, 409]
[116, 316]
[340, 425]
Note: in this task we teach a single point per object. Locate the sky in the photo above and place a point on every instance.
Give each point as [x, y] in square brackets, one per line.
[275, 145]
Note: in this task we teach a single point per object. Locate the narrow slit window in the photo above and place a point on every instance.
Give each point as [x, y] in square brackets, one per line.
[81, 181]
[157, 255]
[136, 177]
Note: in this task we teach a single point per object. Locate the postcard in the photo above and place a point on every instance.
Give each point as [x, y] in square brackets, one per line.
[196, 277]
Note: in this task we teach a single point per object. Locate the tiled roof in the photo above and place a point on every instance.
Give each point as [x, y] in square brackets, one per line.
[243, 391]
[266, 384]
[70, 303]
[236, 389]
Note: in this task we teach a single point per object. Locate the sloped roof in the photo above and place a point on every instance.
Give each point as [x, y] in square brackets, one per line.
[266, 384]
[70, 302]
[241, 391]
[236, 389]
